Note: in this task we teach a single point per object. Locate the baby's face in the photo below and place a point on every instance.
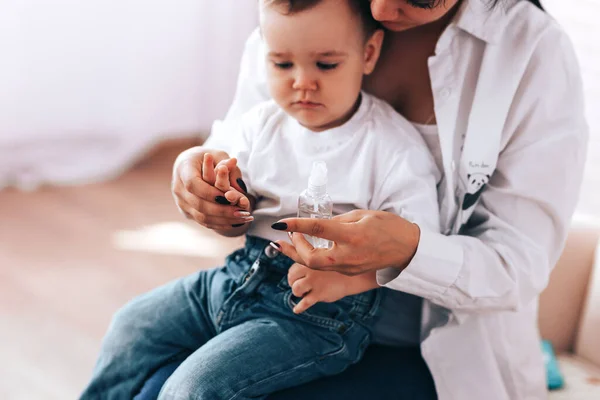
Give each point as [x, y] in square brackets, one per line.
[316, 60]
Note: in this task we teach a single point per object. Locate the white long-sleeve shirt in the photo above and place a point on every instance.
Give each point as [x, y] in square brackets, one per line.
[508, 80]
[376, 160]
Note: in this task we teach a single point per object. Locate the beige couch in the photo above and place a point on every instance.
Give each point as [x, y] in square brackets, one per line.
[570, 313]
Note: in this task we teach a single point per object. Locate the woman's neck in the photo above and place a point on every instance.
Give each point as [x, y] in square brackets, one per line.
[426, 36]
[401, 76]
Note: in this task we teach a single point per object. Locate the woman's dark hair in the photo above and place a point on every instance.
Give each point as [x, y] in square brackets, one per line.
[536, 3]
[492, 3]
[363, 8]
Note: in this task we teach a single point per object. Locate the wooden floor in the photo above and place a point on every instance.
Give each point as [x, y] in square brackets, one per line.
[70, 257]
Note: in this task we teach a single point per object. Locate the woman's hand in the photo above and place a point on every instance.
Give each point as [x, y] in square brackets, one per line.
[363, 241]
[202, 185]
[325, 286]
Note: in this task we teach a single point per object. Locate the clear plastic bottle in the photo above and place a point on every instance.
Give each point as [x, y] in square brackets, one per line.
[314, 202]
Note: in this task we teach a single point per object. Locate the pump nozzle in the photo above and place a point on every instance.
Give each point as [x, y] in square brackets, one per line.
[318, 174]
[314, 202]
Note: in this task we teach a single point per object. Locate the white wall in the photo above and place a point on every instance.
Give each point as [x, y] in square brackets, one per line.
[85, 86]
[580, 19]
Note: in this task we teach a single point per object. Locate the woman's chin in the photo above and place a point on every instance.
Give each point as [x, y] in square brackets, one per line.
[398, 26]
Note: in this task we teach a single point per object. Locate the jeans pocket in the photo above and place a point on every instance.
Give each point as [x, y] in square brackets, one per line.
[367, 306]
[284, 284]
[326, 315]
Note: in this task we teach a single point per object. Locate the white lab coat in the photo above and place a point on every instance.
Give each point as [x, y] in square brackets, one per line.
[506, 82]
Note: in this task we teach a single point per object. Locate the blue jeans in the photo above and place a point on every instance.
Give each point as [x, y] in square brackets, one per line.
[234, 333]
[384, 373]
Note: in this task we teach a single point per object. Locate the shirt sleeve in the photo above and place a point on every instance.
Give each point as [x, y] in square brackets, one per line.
[237, 136]
[409, 188]
[251, 91]
[503, 258]
[252, 86]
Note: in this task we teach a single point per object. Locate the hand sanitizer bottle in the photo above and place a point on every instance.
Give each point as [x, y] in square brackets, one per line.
[314, 202]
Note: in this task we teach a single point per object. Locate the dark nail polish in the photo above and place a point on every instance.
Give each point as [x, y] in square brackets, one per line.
[276, 245]
[222, 200]
[279, 226]
[237, 225]
[242, 184]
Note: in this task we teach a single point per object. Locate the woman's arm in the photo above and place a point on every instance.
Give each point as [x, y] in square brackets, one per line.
[503, 258]
[195, 198]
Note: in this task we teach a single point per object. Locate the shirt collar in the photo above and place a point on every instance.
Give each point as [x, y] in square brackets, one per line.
[479, 19]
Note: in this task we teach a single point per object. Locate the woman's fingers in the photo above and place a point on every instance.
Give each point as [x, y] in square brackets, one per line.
[321, 259]
[185, 200]
[225, 216]
[323, 228]
[302, 252]
[191, 181]
[194, 191]
[290, 251]
[235, 178]
[214, 224]
[210, 213]
[350, 216]
[208, 169]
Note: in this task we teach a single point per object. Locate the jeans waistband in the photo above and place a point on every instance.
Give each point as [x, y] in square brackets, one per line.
[259, 249]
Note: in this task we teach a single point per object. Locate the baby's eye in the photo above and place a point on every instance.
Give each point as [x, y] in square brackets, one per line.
[283, 65]
[326, 66]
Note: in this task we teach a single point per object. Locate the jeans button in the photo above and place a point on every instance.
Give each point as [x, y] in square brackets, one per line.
[271, 252]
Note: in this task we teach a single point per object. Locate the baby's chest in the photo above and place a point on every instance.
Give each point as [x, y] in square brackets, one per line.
[350, 185]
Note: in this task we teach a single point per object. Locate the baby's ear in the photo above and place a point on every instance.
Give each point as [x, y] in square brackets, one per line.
[373, 50]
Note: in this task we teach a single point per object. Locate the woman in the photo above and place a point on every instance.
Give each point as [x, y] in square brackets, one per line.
[494, 88]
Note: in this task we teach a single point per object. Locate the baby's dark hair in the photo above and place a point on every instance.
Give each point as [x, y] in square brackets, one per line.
[361, 7]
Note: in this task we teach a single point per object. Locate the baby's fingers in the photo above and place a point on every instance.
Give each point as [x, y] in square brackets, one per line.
[222, 178]
[239, 199]
[307, 302]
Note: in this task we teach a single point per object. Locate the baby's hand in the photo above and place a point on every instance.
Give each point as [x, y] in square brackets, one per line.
[317, 286]
[219, 176]
[222, 182]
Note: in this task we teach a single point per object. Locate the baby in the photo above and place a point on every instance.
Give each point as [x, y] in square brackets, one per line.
[247, 329]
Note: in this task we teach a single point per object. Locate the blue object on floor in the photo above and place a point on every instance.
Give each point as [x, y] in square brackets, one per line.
[554, 376]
